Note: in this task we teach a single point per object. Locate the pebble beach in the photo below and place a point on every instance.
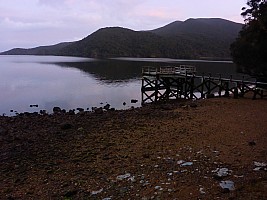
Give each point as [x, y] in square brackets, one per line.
[206, 149]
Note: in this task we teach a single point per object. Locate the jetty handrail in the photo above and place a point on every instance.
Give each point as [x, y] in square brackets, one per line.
[182, 69]
[231, 80]
[167, 70]
[190, 71]
[149, 70]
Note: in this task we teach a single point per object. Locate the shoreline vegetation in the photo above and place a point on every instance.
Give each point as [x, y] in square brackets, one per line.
[205, 149]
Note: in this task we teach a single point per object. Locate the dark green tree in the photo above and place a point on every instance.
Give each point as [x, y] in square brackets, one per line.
[249, 51]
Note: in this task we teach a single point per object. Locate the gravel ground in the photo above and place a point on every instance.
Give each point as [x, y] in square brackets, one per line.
[206, 149]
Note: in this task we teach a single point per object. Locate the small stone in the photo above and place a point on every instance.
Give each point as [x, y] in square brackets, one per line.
[237, 176]
[71, 112]
[157, 187]
[227, 185]
[97, 191]
[257, 169]
[187, 164]
[132, 179]
[134, 101]
[221, 172]
[252, 143]
[180, 162]
[201, 190]
[56, 109]
[42, 112]
[124, 176]
[80, 109]
[107, 107]
[81, 129]
[34, 105]
[66, 126]
[258, 164]
[98, 110]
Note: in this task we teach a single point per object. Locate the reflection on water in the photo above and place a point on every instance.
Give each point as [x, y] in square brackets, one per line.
[109, 72]
[126, 69]
[70, 82]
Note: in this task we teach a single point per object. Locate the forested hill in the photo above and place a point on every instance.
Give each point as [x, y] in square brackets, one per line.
[42, 50]
[193, 38]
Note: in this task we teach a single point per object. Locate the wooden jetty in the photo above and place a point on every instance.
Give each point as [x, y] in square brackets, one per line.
[174, 82]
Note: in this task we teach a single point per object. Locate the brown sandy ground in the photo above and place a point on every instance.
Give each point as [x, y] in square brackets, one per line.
[138, 153]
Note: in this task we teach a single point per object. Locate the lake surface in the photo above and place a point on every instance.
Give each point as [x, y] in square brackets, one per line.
[70, 82]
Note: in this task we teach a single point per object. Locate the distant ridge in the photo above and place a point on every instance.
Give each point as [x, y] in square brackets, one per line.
[203, 26]
[191, 39]
[169, 29]
[42, 50]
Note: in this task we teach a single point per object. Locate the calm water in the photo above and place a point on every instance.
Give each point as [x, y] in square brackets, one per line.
[70, 82]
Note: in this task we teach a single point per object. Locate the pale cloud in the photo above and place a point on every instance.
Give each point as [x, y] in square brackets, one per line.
[19, 25]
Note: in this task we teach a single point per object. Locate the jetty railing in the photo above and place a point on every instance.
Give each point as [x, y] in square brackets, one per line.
[171, 82]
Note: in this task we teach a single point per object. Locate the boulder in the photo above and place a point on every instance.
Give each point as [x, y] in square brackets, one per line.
[134, 101]
[56, 109]
[98, 110]
[80, 109]
[107, 107]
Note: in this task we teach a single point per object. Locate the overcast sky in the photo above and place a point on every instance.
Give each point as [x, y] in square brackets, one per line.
[31, 23]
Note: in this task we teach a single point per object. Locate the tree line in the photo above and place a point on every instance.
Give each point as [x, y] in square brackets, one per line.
[249, 51]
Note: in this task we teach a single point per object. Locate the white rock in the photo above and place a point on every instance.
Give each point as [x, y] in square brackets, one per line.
[157, 187]
[201, 190]
[132, 179]
[180, 162]
[257, 169]
[221, 172]
[97, 192]
[187, 164]
[124, 176]
[258, 164]
[227, 185]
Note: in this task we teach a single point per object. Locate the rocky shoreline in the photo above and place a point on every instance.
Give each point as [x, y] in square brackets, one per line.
[206, 149]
